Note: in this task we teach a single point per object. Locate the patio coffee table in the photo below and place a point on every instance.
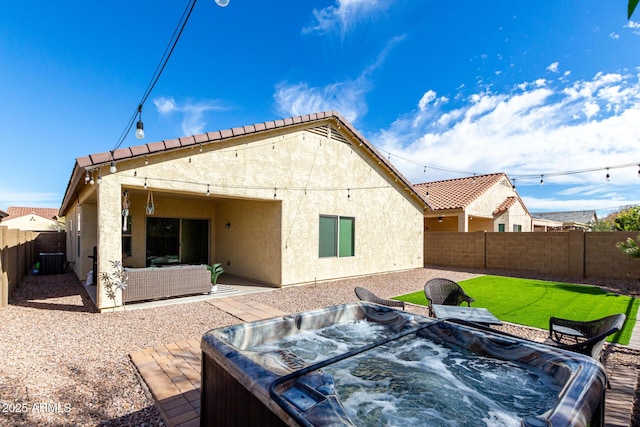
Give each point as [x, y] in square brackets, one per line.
[469, 314]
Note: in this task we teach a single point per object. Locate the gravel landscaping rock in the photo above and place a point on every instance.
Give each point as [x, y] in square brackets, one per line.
[63, 363]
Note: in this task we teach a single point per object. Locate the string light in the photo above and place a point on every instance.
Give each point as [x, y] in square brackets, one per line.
[541, 179]
[140, 125]
[208, 190]
[608, 177]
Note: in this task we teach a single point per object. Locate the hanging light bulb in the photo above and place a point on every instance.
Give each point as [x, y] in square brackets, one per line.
[541, 179]
[86, 177]
[113, 168]
[99, 179]
[222, 3]
[139, 125]
[638, 171]
[608, 177]
[145, 183]
[91, 181]
[208, 192]
[514, 184]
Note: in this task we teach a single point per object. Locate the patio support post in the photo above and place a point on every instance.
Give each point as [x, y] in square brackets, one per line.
[109, 237]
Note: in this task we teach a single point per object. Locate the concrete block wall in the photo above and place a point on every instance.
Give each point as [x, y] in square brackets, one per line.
[604, 259]
[571, 254]
[453, 249]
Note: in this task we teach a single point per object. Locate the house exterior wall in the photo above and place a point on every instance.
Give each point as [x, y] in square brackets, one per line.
[487, 202]
[248, 239]
[272, 189]
[449, 223]
[31, 222]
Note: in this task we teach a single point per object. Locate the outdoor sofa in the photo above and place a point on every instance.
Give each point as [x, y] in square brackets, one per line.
[164, 282]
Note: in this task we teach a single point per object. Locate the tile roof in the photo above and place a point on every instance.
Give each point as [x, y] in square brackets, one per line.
[505, 205]
[18, 211]
[101, 159]
[457, 193]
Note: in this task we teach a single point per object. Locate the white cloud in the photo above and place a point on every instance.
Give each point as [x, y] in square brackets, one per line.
[165, 105]
[342, 16]
[553, 67]
[426, 99]
[299, 98]
[538, 129]
[192, 122]
[634, 27]
[348, 97]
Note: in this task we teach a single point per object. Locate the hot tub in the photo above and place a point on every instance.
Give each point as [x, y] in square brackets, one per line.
[364, 364]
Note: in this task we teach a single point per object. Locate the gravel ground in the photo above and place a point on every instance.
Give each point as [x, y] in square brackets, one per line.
[65, 364]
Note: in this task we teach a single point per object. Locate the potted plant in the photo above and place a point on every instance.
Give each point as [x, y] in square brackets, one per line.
[216, 270]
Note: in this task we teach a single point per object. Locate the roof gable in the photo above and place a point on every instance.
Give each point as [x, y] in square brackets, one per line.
[335, 126]
[457, 193]
[18, 211]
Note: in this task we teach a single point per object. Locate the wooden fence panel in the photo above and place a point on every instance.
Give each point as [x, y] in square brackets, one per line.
[18, 253]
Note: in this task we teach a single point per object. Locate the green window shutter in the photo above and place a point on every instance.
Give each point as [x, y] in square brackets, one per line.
[501, 228]
[347, 234]
[328, 236]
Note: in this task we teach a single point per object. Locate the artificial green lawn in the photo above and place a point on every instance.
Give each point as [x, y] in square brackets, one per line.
[531, 302]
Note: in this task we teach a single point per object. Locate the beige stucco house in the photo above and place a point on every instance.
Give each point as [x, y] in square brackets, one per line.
[32, 219]
[478, 203]
[284, 202]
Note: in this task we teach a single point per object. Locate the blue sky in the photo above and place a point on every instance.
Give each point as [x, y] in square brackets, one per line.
[537, 90]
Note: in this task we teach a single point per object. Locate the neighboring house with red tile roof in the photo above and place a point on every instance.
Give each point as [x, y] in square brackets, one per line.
[283, 202]
[479, 203]
[3, 215]
[32, 219]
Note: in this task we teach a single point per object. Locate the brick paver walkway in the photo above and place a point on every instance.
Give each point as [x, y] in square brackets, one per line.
[172, 372]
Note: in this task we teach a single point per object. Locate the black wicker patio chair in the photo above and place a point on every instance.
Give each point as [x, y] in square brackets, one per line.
[586, 337]
[366, 295]
[445, 292]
